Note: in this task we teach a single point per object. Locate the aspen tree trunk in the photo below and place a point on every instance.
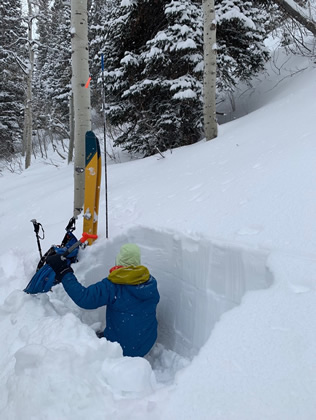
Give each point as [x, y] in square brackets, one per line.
[81, 95]
[28, 110]
[24, 132]
[210, 122]
[71, 128]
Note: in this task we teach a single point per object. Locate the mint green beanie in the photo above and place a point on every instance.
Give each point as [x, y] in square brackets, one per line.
[129, 255]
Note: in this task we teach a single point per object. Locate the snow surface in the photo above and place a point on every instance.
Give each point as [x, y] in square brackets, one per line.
[228, 229]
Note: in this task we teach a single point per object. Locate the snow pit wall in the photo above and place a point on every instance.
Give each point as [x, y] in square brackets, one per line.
[198, 280]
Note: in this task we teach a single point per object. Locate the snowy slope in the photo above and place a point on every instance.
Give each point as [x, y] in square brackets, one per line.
[227, 228]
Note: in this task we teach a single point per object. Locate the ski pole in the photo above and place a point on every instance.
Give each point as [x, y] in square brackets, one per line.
[37, 227]
[105, 157]
[82, 240]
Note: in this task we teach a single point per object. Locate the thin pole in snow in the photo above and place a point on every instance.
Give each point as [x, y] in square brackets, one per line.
[105, 154]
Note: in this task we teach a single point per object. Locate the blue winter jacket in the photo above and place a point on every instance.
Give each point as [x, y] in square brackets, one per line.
[131, 309]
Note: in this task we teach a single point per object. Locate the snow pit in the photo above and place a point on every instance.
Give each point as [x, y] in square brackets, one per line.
[198, 279]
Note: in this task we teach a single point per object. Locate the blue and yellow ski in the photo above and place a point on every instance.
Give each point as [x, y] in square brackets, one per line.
[92, 184]
[97, 192]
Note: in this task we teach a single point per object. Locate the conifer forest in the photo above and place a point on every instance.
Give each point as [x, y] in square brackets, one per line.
[151, 86]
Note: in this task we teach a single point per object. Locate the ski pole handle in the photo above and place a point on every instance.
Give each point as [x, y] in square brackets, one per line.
[37, 227]
[82, 240]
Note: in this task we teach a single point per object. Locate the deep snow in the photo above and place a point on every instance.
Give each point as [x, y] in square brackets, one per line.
[228, 229]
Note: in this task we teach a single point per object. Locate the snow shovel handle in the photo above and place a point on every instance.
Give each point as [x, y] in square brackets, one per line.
[82, 240]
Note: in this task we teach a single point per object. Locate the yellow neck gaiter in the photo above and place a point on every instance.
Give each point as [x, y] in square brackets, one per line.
[130, 275]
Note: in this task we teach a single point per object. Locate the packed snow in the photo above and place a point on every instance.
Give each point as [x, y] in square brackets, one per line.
[228, 229]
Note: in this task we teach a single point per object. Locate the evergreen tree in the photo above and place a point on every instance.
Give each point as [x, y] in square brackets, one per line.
[42, 101]
[154, 63]
[98, 28]
[60, 60]
[53, 69]
[12, 64]
[154, 74]
[240, 41]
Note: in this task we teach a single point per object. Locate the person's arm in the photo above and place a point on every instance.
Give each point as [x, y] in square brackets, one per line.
[92, 297]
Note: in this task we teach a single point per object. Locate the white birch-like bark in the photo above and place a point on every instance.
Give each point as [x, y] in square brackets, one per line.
[71, 129]
[81, 95]
[24, 132]
[29, 109]
[209, 85]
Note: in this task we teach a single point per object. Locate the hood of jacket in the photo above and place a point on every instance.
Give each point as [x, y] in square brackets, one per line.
[130, 275]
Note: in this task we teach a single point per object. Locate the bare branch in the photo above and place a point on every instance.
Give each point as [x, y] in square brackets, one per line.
[297, 13]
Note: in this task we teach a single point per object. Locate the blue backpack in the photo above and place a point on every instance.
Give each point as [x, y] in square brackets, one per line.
[44, 278]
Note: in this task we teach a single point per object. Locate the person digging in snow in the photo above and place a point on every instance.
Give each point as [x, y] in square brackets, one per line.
[130, 294]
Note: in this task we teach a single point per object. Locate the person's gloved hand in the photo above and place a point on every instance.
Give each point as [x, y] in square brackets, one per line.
[59, 265]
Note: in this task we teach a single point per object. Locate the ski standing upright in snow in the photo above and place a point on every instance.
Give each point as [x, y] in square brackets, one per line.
[92, 184]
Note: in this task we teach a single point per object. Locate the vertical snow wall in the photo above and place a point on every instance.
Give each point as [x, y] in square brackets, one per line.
[198, 279]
